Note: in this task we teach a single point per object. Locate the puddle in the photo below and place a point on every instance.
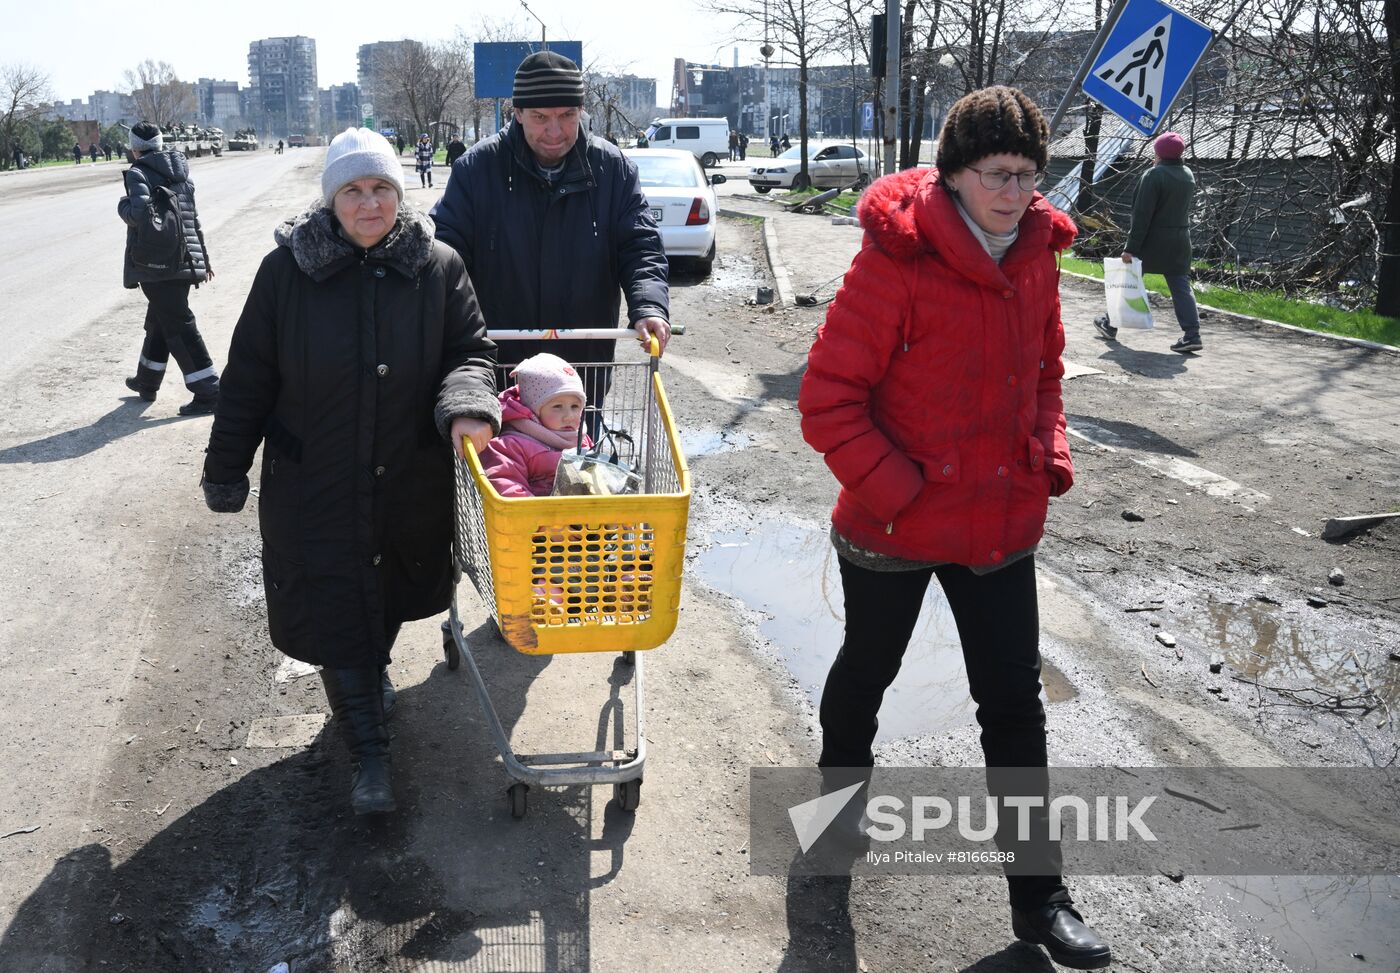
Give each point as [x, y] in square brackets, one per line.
[1318, 922]
[790, 574]
[1264, 641]
[707, 442]
[1058, 688]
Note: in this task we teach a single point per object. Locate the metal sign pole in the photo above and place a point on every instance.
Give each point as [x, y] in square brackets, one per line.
[892, 75]
[1113, 14]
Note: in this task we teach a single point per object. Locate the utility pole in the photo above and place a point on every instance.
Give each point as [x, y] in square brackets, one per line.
[544, 41]
[892, 73]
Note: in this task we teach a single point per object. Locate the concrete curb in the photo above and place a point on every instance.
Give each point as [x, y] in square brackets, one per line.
[782, 280]
[1344, 339]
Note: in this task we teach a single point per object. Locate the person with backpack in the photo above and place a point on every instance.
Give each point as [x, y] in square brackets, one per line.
[165, 255]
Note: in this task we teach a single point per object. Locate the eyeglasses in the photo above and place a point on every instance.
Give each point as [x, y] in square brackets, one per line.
[995, 179]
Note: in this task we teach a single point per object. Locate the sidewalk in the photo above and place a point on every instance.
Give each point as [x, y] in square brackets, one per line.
[816, 253]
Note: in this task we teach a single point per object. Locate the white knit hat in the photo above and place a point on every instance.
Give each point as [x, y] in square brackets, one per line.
[360, 153]
[542, 377]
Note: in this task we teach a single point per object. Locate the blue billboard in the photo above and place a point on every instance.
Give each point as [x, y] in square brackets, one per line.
[496, 63]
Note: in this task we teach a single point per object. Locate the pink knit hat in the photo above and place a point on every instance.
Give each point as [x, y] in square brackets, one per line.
[542, 377]
[1169, 145]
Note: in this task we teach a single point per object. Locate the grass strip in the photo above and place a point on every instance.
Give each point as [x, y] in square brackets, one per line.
[1271, 305]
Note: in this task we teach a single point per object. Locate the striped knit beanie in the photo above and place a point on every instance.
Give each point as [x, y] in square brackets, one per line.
[547, 80]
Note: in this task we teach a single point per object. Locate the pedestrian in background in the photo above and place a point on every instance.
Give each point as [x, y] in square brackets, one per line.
[773, 145]
[106, 152]
[933, 392]
[553, 225]
[171, 330]
[77, 154]
[359, 354]
[92, 151]
[455, 150]
[785, 143]
[400, 143]
[423, 156]
[1160, 236]
[743, 146]
[733, 145]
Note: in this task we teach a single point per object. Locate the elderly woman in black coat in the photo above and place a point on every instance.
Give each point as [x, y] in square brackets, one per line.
[359, 354]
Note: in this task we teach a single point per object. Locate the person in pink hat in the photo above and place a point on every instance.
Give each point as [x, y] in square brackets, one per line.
[540, 418]
[1160, 236]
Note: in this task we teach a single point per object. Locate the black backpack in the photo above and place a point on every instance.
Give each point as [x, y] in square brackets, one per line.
[159, 240]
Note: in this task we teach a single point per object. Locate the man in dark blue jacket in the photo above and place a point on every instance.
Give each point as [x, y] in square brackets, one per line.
[552, 223]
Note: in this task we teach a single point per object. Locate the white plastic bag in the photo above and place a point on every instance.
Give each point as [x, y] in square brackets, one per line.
[1127, 297]
[584, 474]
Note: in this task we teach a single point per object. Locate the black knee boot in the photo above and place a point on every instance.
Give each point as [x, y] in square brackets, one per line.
[356, 698]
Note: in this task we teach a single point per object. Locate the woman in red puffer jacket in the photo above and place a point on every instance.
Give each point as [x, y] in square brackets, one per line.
[933, 392]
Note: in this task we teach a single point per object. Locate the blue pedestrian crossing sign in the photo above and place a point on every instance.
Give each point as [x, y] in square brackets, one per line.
[1145, 61]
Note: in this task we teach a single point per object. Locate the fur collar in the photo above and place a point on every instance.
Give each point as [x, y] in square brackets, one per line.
[320, 251]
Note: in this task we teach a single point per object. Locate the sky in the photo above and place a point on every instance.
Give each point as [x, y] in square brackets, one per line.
[85, 46]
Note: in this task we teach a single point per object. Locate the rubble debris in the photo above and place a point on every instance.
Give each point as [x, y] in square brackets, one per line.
[29, 830]
[1133, 517]
[1217, 662]
[1317, 601]
[1167, 639]
[764, 295]
[1336, 578]
[1337, 527]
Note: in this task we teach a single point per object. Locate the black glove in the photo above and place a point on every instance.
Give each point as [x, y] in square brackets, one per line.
[225, 498]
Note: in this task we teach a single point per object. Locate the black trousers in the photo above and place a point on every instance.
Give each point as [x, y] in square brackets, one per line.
[998, 622]
[171, 332]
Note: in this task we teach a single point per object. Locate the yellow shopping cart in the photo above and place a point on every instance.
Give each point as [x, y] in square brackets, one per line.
[580, 573]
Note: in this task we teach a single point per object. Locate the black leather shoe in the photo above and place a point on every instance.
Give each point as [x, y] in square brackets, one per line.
[1068, 939]
[357, 699]
[200, 405]
[147, 393]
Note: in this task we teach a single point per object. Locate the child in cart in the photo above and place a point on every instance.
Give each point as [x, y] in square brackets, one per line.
[540, 418]
[541, 415]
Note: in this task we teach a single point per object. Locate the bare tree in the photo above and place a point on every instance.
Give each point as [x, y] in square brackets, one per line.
[425, 81]
[160, 96]
[22, 88]
[805, 30]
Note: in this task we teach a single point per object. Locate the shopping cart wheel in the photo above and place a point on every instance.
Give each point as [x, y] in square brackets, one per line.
[630, 658]
[449, 647]
[628, 794]
[516, 792]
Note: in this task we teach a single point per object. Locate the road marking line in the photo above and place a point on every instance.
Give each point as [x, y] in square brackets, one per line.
[1197, 477]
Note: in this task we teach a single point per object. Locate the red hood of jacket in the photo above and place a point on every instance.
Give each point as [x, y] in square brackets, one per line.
[892, 220]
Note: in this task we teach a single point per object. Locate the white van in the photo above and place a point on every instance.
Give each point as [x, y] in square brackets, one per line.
[706, 138]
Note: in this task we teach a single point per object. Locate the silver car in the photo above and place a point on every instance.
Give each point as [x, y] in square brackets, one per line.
[829, 166]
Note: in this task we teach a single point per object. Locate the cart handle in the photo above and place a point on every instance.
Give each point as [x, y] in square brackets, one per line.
[569, 334]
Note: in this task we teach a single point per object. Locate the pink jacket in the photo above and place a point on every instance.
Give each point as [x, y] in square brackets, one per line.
[522, 460]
